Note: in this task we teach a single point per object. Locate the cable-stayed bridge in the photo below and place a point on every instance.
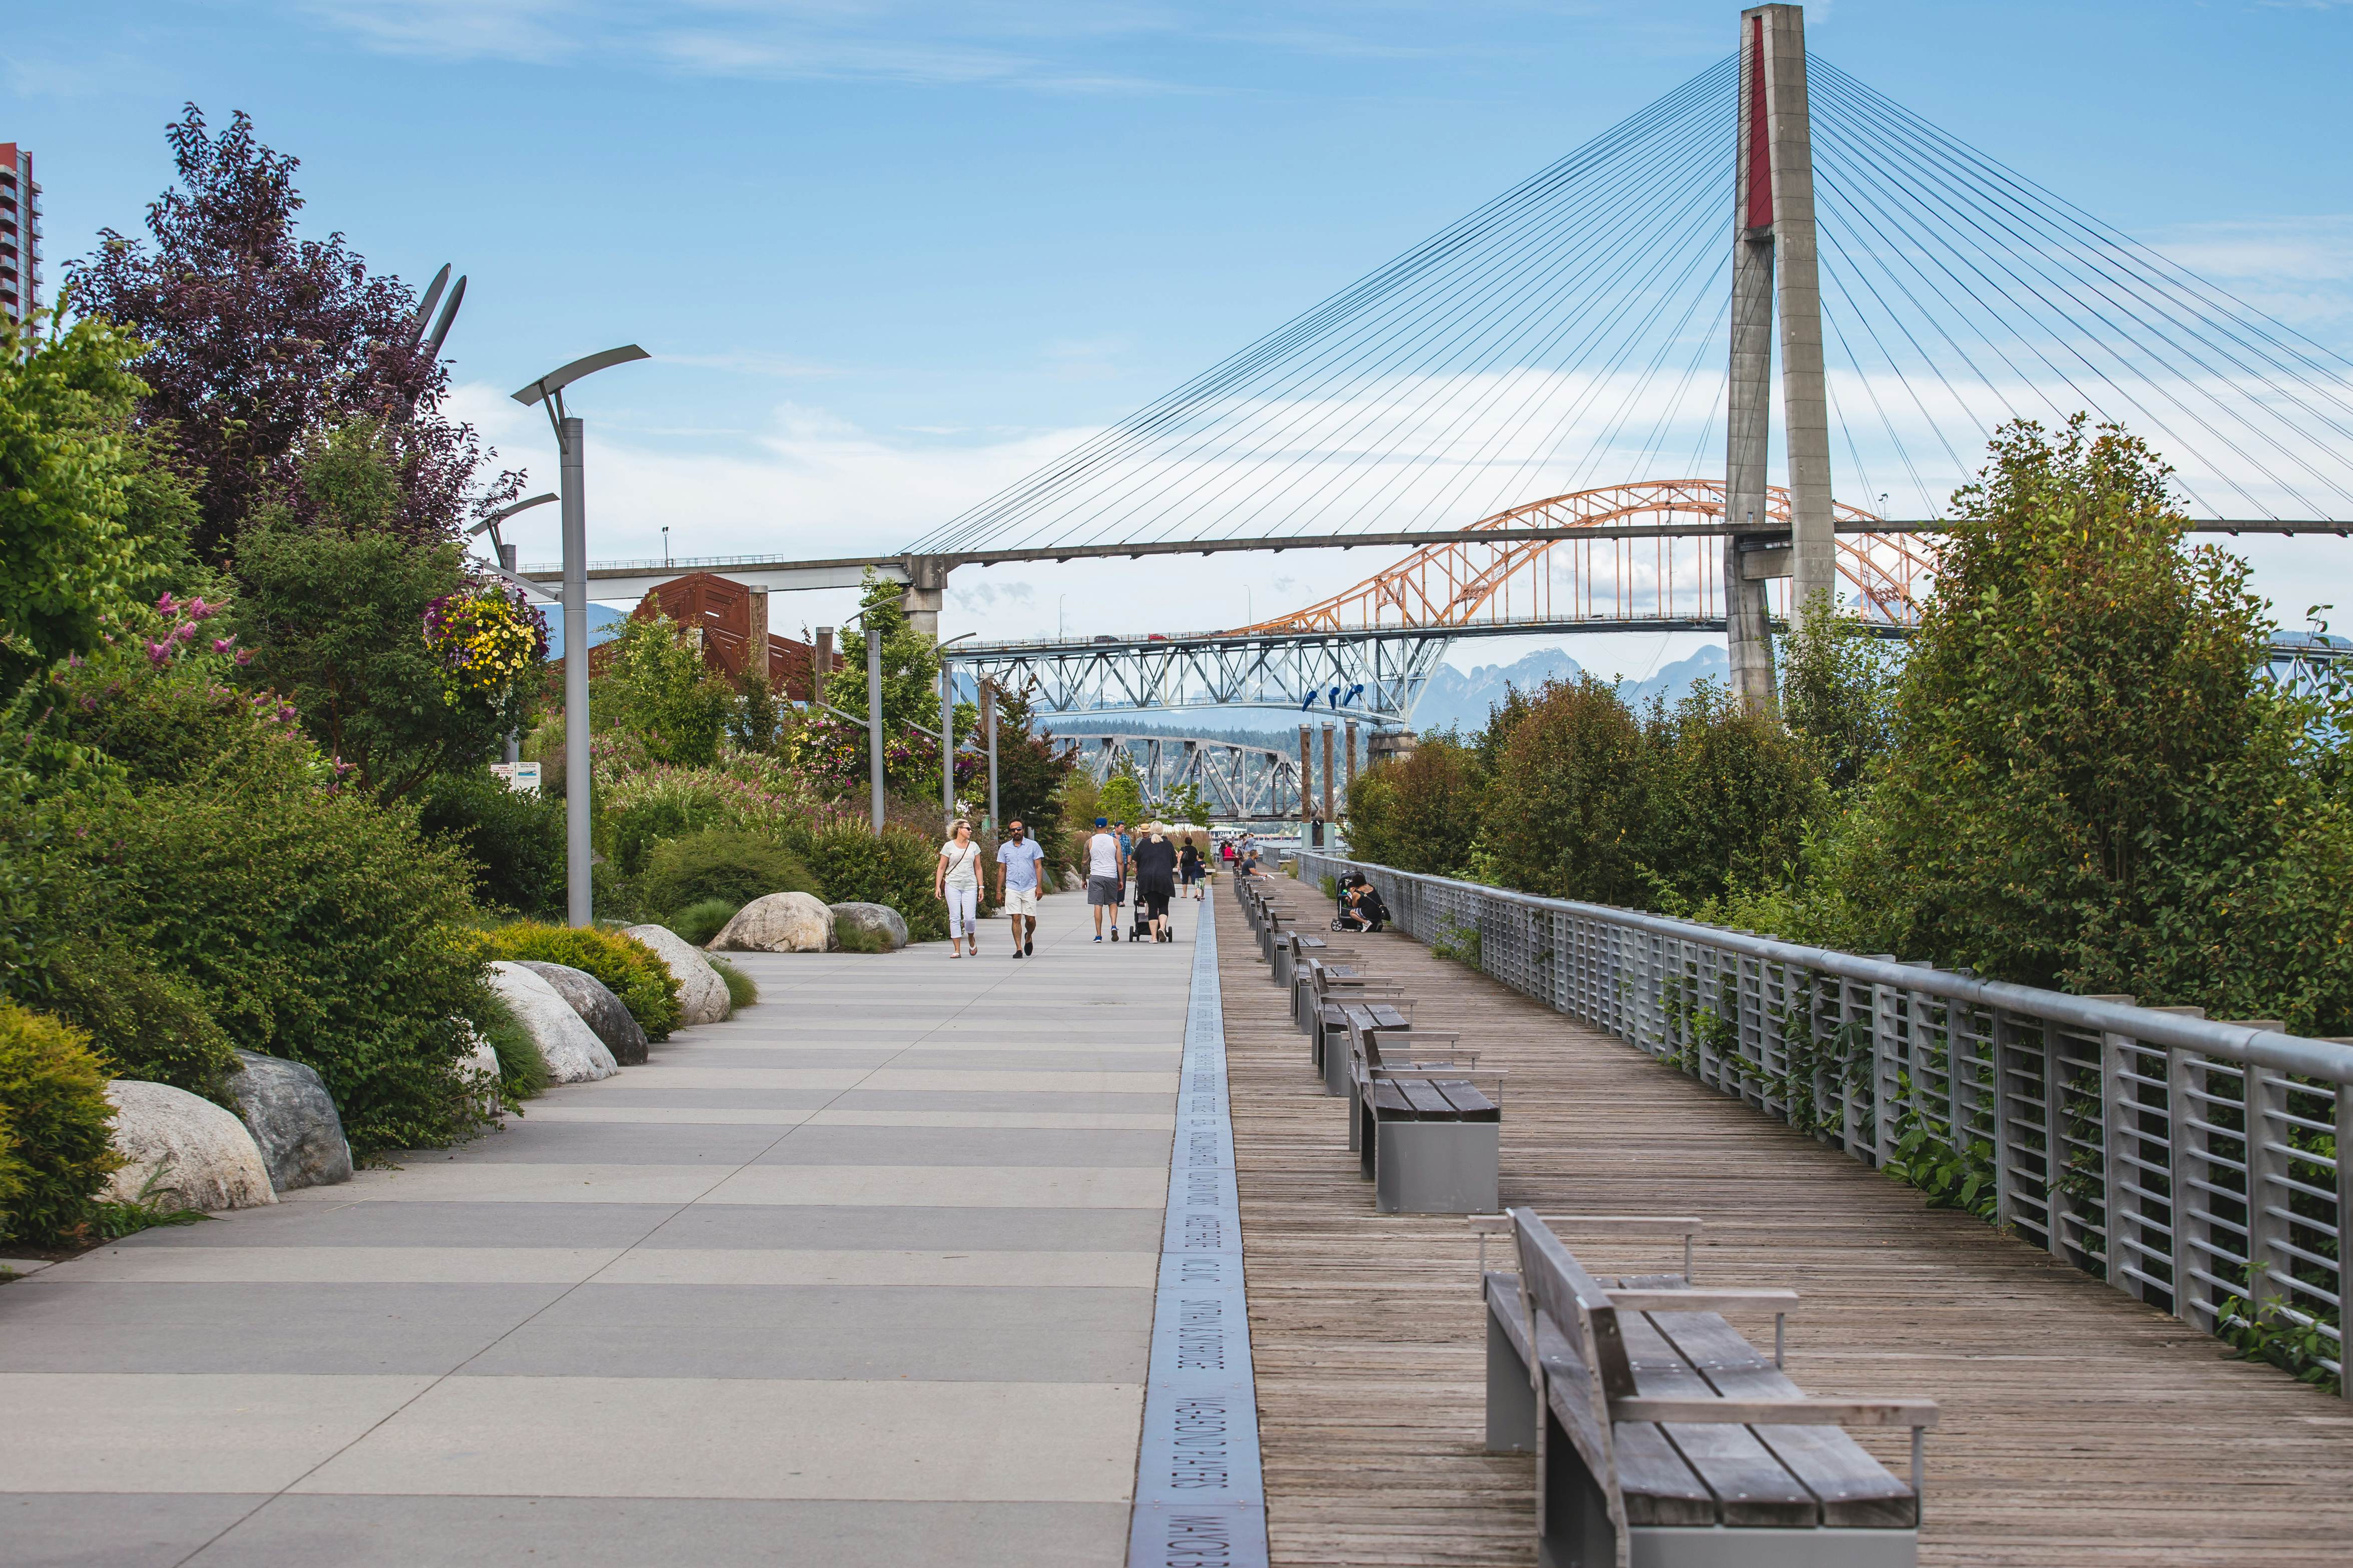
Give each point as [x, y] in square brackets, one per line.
[1736, 351]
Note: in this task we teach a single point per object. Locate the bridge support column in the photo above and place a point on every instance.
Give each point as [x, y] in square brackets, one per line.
[925, 590]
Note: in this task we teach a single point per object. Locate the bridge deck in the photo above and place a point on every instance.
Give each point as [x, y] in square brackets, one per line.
[2079, 1426]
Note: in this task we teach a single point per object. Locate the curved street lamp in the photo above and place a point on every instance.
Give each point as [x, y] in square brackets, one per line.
[549, 390]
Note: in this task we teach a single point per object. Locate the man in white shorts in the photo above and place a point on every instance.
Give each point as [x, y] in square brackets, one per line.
[1103, 876]
[1019, 860]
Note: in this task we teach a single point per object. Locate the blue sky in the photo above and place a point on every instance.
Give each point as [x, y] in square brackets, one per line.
[889, 256]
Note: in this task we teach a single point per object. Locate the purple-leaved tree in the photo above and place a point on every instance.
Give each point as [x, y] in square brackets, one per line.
[259, 343]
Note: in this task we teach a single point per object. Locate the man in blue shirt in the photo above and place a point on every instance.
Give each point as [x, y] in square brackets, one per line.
[1018, 862]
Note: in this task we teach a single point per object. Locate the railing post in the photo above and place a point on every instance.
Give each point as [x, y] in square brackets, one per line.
[2344, 1096]
[1884, 1072]
[2120, 1121]
[2058, 1204]
[2192, 1213]
[2267, 1225]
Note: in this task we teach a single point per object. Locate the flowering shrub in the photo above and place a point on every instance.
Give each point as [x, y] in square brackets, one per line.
[485, 637]
[831, 752]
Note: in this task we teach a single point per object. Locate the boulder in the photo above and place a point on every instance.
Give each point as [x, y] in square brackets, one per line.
[571, 1049]
[197, 1155]
[599, 1008]
[481, 1074]
[292, 1118]
[702, 995]
[875, 920]
[780, 922]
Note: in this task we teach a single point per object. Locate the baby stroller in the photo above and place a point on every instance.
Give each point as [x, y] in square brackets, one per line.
[1140, 930]
[1365, 906]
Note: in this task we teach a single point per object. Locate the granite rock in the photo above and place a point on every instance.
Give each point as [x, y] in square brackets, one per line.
[701, 994]
[292, 1118]
[599, 1008]
[780, 922]
[879, 920]
[573, 1052]
[197, 1155]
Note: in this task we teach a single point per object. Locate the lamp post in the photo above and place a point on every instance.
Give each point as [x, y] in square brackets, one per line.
[947, 728]
[873, 724]
[549, 389]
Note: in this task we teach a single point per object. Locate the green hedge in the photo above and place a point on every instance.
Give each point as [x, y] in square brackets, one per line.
[317, 926]
[513, 840]
[55, 1121]
[895, 869]
[629, 969]
[156, 1026]
[732, 863]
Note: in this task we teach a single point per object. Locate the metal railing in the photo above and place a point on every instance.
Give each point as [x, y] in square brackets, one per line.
[2189, 1162]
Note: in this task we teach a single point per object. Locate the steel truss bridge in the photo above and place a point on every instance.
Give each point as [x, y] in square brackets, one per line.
[1243, 782]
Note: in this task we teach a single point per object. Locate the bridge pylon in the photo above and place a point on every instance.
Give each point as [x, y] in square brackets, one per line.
[1773, 263]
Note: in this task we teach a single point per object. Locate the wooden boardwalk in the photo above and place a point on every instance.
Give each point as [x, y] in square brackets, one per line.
[2080, 1428]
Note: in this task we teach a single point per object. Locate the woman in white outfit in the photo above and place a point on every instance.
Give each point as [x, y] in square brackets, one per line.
[957, 880]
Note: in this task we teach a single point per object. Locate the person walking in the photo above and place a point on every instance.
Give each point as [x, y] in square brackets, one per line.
[1102, 877]
[1018, 861]
[956, 879]
[1156, 878]
[1189, 866]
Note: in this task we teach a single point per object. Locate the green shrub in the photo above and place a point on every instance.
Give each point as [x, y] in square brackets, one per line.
[317, 926]
[156, 1026]
[740, 992]
[859, 939]
[513, 840]
[629, 969]
[732, 863]
[522, 1071]
[704, 918]
[53, 1101]
[895, 869]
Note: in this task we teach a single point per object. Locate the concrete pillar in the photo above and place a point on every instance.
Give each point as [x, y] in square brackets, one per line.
[1750, 396]
[926, 591]
[820, 665]
[755, 635]
[1389, 745]
[989, 730]
[1328, 814]
[1307, 775]
[1352, 753]
[1805, 400]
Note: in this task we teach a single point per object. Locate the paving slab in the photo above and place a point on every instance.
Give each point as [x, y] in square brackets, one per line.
[864, 1276]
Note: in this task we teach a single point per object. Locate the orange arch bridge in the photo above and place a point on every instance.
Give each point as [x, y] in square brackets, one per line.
[1468, 583]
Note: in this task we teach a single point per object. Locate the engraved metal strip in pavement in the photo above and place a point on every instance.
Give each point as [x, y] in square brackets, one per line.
[1199, 1501]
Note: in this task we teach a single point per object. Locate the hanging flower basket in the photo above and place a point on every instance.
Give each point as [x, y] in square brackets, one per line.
[485, 637]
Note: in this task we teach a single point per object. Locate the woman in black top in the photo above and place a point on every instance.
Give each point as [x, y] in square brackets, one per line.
[1155, 859]
[1188, 867]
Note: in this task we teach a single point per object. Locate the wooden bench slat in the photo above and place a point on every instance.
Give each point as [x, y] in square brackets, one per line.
[1656, 1484]
[1749, 1482]
[1856, 1490]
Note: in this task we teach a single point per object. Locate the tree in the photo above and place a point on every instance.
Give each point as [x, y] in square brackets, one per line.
[1837, 693]
[2097, 788]
[1730, 795]
[1567, 814]
[330, 603]
[659, 687]
[69, 474]
[255, 340]
[1421, 814]
[1122, 798]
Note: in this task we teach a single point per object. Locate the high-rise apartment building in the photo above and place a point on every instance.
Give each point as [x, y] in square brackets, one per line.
[20, 232]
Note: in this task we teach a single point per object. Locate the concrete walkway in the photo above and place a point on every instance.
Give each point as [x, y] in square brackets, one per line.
[864, 1276]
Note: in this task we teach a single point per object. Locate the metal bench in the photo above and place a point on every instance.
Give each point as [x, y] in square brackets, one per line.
[1343, 960]
[1663, 1440]
[1430, 1136]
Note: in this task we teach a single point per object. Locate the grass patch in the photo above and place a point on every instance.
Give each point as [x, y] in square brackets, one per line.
[111, 1220]
[704, 918]
[740, 992]
[522, 1071]
[857, 938]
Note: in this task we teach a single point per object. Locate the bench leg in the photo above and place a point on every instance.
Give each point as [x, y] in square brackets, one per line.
[1336, 1067]
[1511, 1400]
[1691, 1546]
[1572, 1515]
[1357, 1139]
[1437, 1167]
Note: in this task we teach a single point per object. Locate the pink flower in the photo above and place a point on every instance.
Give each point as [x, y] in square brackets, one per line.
[198, 610]
[222, 644]
[244, 657]
[90, 704]
[164, 606]
[157, 652]
[185, 632]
